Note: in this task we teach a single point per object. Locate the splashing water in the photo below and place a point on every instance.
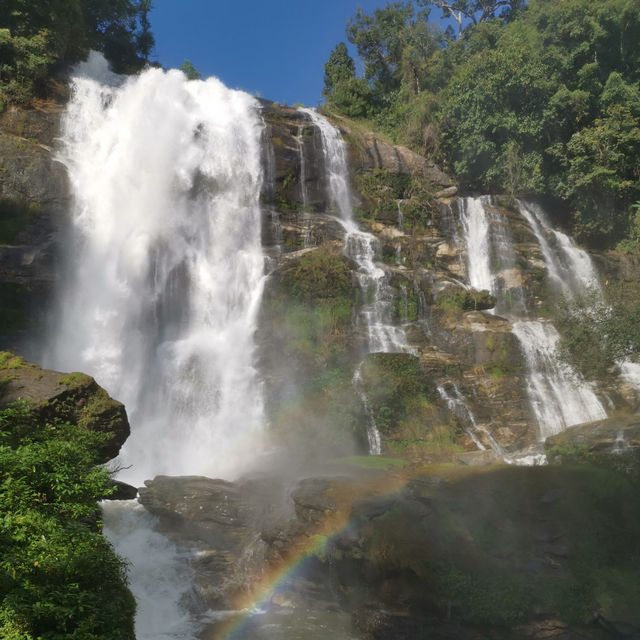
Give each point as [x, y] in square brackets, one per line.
[166, 281]
[162, 294]
[159, 574]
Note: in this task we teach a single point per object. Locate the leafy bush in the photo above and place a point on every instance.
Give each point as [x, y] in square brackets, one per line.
[59, 577]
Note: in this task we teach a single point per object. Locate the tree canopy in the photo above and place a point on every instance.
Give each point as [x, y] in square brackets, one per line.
[35, 36]
[532, 98]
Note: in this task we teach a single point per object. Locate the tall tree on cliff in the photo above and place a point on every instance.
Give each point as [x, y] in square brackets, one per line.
[474, 11]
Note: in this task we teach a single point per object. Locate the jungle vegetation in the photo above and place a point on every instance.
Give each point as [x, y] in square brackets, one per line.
[530, 98]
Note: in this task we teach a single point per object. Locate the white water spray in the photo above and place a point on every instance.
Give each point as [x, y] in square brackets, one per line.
[167, 277]
[159, 574]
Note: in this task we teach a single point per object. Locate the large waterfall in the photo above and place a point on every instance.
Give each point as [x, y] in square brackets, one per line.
[167, 267]
[162, 293]
[559, 397]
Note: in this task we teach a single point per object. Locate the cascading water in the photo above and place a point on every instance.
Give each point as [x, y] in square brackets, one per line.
[163, 292]
[361, 247]
[491, 263]
[572, 272]
[559, 397]
[304, 191]
[457, 405]
[569, 267]
[167, 275]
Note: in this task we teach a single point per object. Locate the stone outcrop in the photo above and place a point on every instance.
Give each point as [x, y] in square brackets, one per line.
[74, 397]
[614, 436]
[467, 553]
[34, 200]
[378, 154]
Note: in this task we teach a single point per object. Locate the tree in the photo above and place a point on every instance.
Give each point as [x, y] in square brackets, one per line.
[190, 71]
[342, 90]
[338, 69]
[38, 35]
[380, 40]
[474, 11]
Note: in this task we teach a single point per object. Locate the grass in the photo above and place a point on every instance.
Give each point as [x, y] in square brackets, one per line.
[372, 462]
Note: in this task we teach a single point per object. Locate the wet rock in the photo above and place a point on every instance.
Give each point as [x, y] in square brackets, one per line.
[123, 491]
[617, 435]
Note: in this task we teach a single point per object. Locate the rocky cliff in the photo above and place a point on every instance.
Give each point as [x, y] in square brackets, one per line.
[471, 550]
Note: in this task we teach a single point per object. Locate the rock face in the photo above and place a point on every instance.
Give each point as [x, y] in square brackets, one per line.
[73, 397]
[34, 199]
[465, 553]
[617, 437]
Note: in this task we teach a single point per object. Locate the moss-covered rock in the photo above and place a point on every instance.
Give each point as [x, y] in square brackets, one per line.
[75, 398]
[403, 400]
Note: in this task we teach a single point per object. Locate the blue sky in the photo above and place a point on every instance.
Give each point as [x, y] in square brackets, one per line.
[272, 48]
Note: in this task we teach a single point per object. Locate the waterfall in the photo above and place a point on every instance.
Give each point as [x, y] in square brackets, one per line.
[572, 272]
[458, 406]
[475, 226]
[378, 296]
[160, 575]
[570, 268]
[360, 246]
[163, 291]
[491, 262]
[304, 193]
[559, 397]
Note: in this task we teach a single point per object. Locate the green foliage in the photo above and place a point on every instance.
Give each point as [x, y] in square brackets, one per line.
[319, 274]
[540, 97]
[384, 188]
[58, 576]
[190, 71]
[342, 90]
[401, 399]
[37, 35]
[596, 333]
[10, 361]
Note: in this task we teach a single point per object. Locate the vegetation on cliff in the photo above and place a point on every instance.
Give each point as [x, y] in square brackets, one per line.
[37, 36]
[539, 98]
[59, 577]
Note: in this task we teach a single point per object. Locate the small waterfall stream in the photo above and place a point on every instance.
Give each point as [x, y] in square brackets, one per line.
[363, 248]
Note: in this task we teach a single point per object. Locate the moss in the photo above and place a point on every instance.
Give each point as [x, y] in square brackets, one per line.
[10, 361]
[372, 462]
[322, 274]
[73, 380]
[98, 404]
[383, 189]
[402, 399]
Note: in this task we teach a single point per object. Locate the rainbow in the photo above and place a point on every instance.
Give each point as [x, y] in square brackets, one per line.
[309, 546]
